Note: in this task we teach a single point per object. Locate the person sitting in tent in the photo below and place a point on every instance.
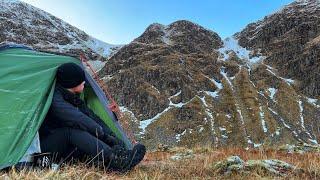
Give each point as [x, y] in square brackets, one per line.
[71, 129]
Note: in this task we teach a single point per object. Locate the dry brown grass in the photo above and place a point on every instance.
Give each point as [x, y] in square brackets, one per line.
[157, 165]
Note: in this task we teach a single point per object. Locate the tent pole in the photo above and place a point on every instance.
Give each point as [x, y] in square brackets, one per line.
[113, 106]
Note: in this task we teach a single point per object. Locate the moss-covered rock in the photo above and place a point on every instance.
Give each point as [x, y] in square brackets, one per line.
[234, 164]
[183, 155]
[299, 148]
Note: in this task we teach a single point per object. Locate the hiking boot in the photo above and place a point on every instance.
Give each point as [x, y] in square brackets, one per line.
[138, 152]
[119, 159]
[124, 160]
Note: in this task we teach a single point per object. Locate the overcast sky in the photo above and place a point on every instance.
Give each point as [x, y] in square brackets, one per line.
[120, 21]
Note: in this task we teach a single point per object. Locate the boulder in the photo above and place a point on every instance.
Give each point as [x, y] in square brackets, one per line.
[182, 156]
[234, 164]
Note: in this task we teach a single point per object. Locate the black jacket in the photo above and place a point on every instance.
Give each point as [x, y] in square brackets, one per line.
[68, 110]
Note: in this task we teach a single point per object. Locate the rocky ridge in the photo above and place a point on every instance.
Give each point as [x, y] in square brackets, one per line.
[21, 23]
[182, 85]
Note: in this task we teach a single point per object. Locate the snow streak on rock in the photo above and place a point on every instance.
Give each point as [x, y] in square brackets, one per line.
[263, 122]
[145, 123]
[211, 119]
[271, 70]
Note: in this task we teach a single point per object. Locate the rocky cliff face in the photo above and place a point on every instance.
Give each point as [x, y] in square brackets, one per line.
[24, 24]
[164, 70]
[182, 85]
[290, 40]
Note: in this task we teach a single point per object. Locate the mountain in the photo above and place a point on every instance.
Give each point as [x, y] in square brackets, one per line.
[181, 85]
[24, 24]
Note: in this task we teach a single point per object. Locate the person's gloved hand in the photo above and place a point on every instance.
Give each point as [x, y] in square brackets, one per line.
[112, 141]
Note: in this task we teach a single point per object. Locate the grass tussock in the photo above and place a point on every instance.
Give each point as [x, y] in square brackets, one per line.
[157, 165]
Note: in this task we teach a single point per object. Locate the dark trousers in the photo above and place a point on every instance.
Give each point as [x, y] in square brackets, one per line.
[67, 143]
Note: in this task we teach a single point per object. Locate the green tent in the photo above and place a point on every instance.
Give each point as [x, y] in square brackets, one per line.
[27, 81]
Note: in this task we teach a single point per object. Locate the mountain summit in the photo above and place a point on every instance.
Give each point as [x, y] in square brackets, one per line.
[183, 36]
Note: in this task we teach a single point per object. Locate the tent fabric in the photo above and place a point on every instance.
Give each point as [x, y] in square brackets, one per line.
[98, 102]
[27, 81]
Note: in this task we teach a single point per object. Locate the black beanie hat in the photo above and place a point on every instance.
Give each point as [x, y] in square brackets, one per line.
[70, 75]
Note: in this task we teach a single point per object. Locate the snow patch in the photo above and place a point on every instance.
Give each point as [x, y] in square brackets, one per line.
[313, 102]
[166, 34]
[272, 92]
[252, 143]
[212, 94]
[178, 136]
[301, 114]
[100, 47]
[217, 84]
[224, 136]
[224, 74]
[223, 131]
[178, 105]
[228, 116]
[288, 81]
[263, 122]
[277, 131]
[107, 78]
[124, 109]
[256, 145]
[313, 141]
[240, 114]
[232, 44]
[204, 101]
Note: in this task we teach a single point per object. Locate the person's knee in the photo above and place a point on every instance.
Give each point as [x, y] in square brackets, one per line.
[64, 132]
[83, 138]
[77, 131]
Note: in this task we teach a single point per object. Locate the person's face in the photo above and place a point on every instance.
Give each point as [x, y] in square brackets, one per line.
[79, 88]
